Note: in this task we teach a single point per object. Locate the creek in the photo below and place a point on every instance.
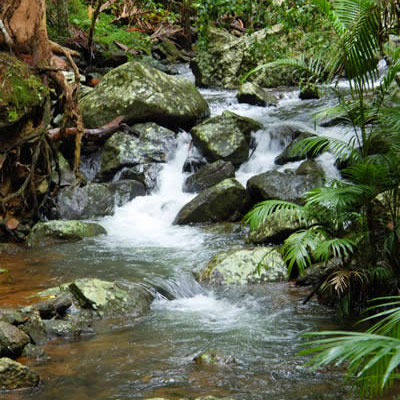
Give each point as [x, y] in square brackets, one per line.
[258, 325]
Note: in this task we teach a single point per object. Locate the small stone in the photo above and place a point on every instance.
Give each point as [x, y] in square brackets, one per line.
[12, 340]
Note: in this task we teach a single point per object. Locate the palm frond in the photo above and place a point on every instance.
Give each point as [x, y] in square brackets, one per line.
[334, 248]
[277, 209]
[372, 359]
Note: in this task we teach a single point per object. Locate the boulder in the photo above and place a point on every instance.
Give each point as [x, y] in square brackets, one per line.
[55, 306]
[209, 175]
[310, 167]
[12, 340]
[147, 174]
[284, 132]
[274, 231]
[14, 375]
[227, 58]
[288, 154]
[96, 199]
[224, 201]
[285, 186]
[255, 95]
[32, 351]
[34, 327]
[66, 176]
[261, 264]
[225, 137]
[110, 298]
[141, 93]
[52, 232]
[155, 144]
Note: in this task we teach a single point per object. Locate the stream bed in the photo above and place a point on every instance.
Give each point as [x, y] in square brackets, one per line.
[259, 326]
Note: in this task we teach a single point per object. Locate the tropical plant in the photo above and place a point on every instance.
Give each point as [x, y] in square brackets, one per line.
[372, 358]
[355, 220]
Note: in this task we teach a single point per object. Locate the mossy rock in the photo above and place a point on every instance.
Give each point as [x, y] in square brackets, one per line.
[143, 94]
[222, 202]
[14, 375]
[52, 232]
[258, 265]
[225, 137]
[255, 95]
[20, 91]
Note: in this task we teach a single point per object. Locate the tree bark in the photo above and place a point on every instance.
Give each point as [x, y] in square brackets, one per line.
[63, 27]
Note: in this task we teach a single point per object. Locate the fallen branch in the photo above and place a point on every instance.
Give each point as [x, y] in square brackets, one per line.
[96, 134]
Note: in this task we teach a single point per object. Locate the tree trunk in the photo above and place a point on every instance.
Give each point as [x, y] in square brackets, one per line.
[25, 23]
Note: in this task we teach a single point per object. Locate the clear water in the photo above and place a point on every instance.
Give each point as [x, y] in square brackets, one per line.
[259, 326]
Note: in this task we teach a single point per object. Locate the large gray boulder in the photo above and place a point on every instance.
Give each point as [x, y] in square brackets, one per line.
[261, 264]
[285, 186]
[224, 201]
[225, 137]
[155, 144]
[255, 95]
[52, 232]
[12, 340]
[227, 58]
[14, 375]
[209, 175]
[96, 199]
[141, 93]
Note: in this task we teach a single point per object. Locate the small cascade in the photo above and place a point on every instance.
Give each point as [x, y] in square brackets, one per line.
[147, 221]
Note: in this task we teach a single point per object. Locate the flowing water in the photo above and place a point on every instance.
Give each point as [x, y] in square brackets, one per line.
[259, 326]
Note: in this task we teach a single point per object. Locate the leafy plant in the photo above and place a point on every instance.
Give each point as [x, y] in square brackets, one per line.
[372, 358]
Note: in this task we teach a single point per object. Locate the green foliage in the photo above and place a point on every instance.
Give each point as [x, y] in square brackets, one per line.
[372, 358]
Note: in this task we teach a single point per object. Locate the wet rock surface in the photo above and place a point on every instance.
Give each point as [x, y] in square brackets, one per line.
[255, 95]
[52, 232]
[225, 137]
[96, 199]
[12, 340]
[285, 186]
[209, 175]
[241, 266]
[225, 201]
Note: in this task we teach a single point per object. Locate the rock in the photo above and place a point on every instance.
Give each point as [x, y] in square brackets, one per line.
[147, 174]
[14, 375]
[213, 357]
[286, 132]
[32, 351]
[141, 93]
[209, 175]
[288, 155]
[52, 232]
[225, 137]
[223, 228]
[96, 199]
[54, 306]
[227, 58]
[167, 50]
[155, 145]
[12, 340]
[66, 177]
[34, 327]
[252, 94]
[261, 264]
[224, 201]
[309, 92]
[152, 62]
[274, 231]
[310, 167]
[194, 161]
[13, 317]
[109, 298]
[71, 327]
[285, 186]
